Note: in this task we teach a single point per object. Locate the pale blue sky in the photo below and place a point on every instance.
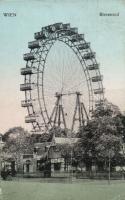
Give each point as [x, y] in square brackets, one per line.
[106, 34]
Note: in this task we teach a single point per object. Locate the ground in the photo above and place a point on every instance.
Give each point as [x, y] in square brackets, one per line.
[81, 190]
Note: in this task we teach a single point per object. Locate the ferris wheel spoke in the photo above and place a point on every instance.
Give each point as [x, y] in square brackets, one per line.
[60, 66]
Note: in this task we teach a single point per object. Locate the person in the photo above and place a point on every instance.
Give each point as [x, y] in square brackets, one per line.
[5, 173]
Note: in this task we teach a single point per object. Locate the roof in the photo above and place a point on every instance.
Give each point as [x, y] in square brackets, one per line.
[42, 144]
[62, 140]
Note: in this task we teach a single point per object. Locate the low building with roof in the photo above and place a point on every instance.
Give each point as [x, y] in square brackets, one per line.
[46, 159]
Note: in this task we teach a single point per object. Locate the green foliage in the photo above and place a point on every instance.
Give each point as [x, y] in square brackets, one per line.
[59, 132]
[100, 137]
[45, 137]
[17, 141]
[65, 150]
[13, 133]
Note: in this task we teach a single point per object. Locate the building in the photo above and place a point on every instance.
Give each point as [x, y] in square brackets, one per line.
[47, 160]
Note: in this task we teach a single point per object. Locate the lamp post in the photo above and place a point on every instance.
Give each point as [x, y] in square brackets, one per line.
[109, 166]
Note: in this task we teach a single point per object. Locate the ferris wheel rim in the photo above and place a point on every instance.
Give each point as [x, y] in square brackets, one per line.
[82, 62]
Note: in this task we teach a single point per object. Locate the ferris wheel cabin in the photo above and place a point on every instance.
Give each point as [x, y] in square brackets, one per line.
[77, 37]
[29, 56]
[26, 86]
[89, 55]
[53, 28]
[66, 26]
[97, 78]
[83, 46]
[34, 44]
[28, 70]
[30, 118]
[39, 35]
[26, 103]
[93, 67]
[99, 91]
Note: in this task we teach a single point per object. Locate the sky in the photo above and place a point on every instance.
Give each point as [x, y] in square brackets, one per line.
[106, 34]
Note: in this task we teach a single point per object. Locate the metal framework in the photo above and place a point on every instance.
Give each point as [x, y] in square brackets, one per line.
[80, 113]
[57, 117]
[34, 76]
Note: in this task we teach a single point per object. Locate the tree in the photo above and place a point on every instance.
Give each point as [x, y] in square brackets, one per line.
[17, 142]
[13, 133]
[100, 137]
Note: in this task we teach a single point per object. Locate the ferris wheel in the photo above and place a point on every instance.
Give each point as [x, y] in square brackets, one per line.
[62, 81]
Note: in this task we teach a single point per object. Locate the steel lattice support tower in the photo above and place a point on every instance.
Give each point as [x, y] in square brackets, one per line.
[79, 112]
